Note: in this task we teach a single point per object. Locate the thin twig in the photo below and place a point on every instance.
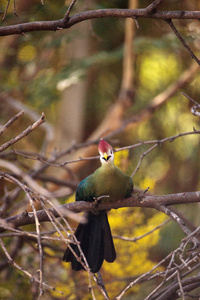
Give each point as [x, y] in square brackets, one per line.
[179, 221]
[189, 98]
[24, 133]
[141, 158]
[11, 261]
[14, 8]
[140, 278]
[181, 39]
[194, 108]
[53, 221]
[181, 293]
[6, 9]
[135, 239]
[51, 162]
[159, 142]
[151, 8]
[37, 224]
[66, 17]
[100, 280]
[15, 104]
[84, 261]
[11, 121]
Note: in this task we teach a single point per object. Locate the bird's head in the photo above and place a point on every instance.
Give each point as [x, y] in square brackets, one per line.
[106, 152]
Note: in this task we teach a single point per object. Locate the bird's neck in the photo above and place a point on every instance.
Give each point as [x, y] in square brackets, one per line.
[108, 166]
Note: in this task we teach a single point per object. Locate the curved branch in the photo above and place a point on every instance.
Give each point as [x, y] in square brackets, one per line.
[96, 14]
[138, 200]
[172, 292]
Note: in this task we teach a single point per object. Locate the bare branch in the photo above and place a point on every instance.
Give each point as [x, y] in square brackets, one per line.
[175, 287]
[192, 100]
[51, 162]
[151, 8]
[179, 221]
[145, 201]
[66, 17]
[194, 108]
[24, 133]
[142, 278]
[11, 121]
[96, 14]
[181, 39]
[182, 294]
[15, 104]
[135, 239]
[5, 12]
[141, 158]
[100, 279]
[11, 261]
[37, 224]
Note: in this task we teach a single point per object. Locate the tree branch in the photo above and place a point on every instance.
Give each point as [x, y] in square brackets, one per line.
[181, 39]
[11, 261]
[135, 201]
[172, 291]
[66, 17]
[15, 104]
[96, 14]
[11, 121]
[151, 8]
[24, 133]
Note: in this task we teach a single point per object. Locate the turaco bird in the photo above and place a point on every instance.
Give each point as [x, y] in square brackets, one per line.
[95, 236]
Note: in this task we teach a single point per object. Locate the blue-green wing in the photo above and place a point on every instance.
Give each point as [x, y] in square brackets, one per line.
[86, 190]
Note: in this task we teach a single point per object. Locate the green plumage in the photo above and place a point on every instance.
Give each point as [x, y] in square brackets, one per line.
[106, 180]
[95, 236]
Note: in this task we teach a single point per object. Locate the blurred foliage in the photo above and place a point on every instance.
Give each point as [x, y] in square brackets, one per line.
[33, 69]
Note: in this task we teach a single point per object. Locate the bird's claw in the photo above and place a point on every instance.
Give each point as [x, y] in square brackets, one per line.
[141, 195]
[96, 202]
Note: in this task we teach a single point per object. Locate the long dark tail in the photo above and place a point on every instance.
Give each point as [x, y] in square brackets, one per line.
[95, 241]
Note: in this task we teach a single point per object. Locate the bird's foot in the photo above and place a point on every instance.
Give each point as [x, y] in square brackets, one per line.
[96, 202]
[141, 195]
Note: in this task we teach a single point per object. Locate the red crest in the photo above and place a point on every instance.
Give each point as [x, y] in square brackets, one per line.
[104, 147]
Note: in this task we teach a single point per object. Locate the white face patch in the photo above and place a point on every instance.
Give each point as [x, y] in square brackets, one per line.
[107, 158]
[106, 153]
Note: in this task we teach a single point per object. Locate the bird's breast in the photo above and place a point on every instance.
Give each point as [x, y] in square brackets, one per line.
[112, 183]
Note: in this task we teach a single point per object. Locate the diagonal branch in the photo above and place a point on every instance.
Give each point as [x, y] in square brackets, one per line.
[66, 17]
[23, 134]
[181, 39]
[11, 121]
[151, 8]
[16, 105]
